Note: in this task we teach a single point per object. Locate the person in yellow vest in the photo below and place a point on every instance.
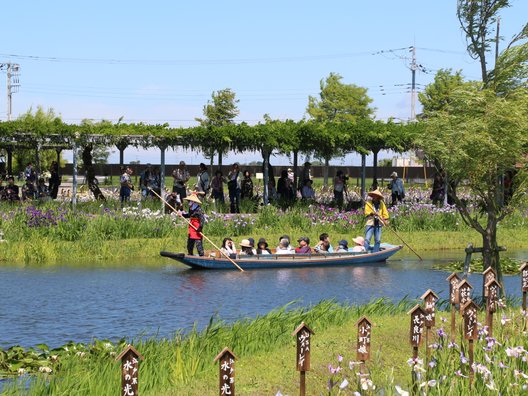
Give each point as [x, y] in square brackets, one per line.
[377, 216]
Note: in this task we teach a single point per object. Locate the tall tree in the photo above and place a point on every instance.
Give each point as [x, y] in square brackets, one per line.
[479, 134]
[337, 103]
[220, 111]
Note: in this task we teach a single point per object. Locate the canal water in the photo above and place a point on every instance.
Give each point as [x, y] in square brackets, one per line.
[57, 305]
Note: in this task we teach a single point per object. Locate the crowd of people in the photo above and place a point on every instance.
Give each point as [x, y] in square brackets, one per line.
[247, 247]
[33, 188]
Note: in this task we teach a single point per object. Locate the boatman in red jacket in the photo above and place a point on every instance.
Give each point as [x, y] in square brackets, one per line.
[196, 223]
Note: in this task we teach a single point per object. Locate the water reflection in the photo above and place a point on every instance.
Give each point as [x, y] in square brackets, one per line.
[61, 304]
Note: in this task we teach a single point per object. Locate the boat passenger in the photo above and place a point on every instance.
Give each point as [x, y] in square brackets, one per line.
[262, 247]
[342, 246]
[304, 245]
[323, 246]
[360, 244]
[284, 247]
[246, 249]
[228, 248]
[252, 243]
[288, 238]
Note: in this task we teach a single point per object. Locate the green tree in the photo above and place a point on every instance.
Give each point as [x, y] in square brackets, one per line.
[337, 103]
[437, 95]
[41, 120]
[220, 111]
[479, 133]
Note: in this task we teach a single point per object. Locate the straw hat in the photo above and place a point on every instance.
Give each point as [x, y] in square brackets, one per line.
[375, 193]
[193, 198]
[359, 240]
[394, 174]
[245, 243]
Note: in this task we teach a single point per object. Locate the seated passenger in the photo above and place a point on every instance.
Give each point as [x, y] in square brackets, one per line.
[252, 243]
[288, 238]
[360, 244]
[228, 248]
[262, 247]
[245, 248]
[284, 247]
[343, 246]
[304, 245]
[323, 246]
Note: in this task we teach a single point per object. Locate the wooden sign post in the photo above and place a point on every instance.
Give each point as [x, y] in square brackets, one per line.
[492, 296]
[488, 275]
[469, 311]
[303, 334]
[129, 371]
[416, 335]
[453, 280]
[363, 341]
[226, 360]
[430, 299]
[524, 283]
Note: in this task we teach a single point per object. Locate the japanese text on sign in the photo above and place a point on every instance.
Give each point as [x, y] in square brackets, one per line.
[130, 376]
[363, 341]
[303, 342]
[525, 280]
[227, 375]
[470, 322]
[417, 323]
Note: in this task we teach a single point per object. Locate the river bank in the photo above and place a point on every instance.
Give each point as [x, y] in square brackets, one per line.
[265, 350]
[119, 253]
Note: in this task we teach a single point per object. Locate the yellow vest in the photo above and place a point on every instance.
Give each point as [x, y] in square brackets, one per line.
[383, 213]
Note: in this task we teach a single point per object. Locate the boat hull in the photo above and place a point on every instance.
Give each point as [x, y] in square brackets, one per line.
[285, 260]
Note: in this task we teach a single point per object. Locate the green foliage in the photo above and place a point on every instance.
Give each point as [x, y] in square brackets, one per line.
[339, 102]
[509, 266]
[438, 95]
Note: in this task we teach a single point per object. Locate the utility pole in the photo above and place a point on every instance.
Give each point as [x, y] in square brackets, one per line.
[414, 66]
[13, 83]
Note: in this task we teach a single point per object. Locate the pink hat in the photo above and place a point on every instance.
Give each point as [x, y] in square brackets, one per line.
[359, 240]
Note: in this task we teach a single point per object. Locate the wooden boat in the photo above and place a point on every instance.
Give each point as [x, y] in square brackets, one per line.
[218, 261]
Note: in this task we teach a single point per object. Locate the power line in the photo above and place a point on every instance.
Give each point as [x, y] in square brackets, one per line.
[113, 61]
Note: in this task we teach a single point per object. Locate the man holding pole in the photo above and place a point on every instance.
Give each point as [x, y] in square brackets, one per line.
[377, 216]
[196, 223]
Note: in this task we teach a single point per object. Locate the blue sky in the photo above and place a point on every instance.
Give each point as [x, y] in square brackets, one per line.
[160, 61]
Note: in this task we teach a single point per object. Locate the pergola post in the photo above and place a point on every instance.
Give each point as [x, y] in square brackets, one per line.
[363, 171]
[74, 176]
[162, 174]
[9, 160]
[37, 163]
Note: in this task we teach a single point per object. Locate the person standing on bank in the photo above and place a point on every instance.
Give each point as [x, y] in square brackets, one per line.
[196, 223]
[233, 185]
[397, 190]
[339, 188]
[54, 180]
[126, 185]
[377, 216]
[181, 177]
[203, 183]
